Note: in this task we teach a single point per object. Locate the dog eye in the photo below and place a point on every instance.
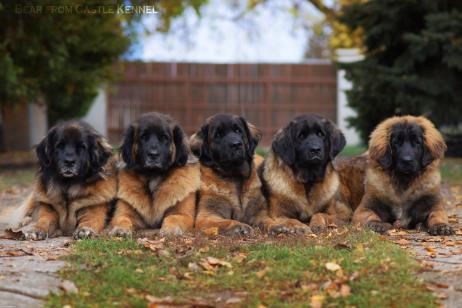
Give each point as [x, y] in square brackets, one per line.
[60, 145]
[218, 134]
[320, 134]
[302, 135]
[237, 130]
[82, 146]
[144, 136]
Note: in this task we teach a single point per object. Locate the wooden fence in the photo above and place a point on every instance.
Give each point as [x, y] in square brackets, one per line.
[268, 95]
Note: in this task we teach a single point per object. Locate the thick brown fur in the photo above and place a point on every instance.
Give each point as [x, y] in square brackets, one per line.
[352, 173]
[80, 208]
[293, 207]
[385, 203]
[232, 204]
[149, 201]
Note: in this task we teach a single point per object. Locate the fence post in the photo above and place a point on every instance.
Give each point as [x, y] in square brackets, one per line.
[343, 110]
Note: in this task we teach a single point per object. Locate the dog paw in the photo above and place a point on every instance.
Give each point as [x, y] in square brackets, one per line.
[171, 230]
[84, 233]
[239, 230]
[378, 226]
[288, 229]
[441, 229]
[35, 235]
[120, 232]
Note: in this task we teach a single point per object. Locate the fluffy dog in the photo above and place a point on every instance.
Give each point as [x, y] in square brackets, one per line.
[230, 196]
[298, 178]
[75, 185]
[402, 179]
[157, 187]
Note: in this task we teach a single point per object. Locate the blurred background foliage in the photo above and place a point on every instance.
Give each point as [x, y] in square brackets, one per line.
[413, 62]
[412, 48]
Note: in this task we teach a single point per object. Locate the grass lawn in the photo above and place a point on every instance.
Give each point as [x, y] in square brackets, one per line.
[346, 268]
[16, 177]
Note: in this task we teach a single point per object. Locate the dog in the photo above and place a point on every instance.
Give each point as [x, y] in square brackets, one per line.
[402, 178]
[75, 185]
[230, 197]
[299, 181]
[157, 185]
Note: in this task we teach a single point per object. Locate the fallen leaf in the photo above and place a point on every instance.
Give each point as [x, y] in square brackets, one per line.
[402, 242]
[345, 290]
[68, 286]
[153, 245]
[316, 301]
[215, 262]
[332, 266]
[233, 300]
[441, 285]
[262, 273]
[206, 266]
[154, 301]
[240, 257]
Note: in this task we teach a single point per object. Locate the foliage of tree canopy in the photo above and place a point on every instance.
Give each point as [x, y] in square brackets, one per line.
[413, 61]
[58, 58]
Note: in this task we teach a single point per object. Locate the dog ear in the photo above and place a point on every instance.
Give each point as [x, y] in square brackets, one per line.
[337, 140]
[386, 159]
[381, 154]
[253, 136]
[283, 145]
[434, 145]
[181, 148]
[100, 151]
[44, 149]
[128, 148]
[199, 144]
[379, 145]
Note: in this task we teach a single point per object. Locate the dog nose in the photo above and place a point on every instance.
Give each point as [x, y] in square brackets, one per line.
[236, 144]
[315, 150]
[69, 162]
[153, 154]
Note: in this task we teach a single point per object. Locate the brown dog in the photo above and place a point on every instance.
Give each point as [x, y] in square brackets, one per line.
[157, 185]
[402, 178]
[299, 180]
[74, 188]
[230, 196]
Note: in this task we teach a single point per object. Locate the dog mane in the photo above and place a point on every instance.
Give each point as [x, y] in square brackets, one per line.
[380, 137]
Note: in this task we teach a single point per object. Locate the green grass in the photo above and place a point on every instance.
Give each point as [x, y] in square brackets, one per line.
[18, 177]
[352, 150]
[283, 272]
[451, 170]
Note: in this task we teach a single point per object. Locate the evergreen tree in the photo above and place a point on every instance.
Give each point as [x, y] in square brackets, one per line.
[413, 61]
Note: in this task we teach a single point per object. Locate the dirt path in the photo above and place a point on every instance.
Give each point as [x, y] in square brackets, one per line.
[28, 270]
[441, 256]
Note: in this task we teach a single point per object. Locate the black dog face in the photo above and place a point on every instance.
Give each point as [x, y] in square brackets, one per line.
[154, 143]
[307, 144]
[226, 142]
[72, 150]
[406, 149]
